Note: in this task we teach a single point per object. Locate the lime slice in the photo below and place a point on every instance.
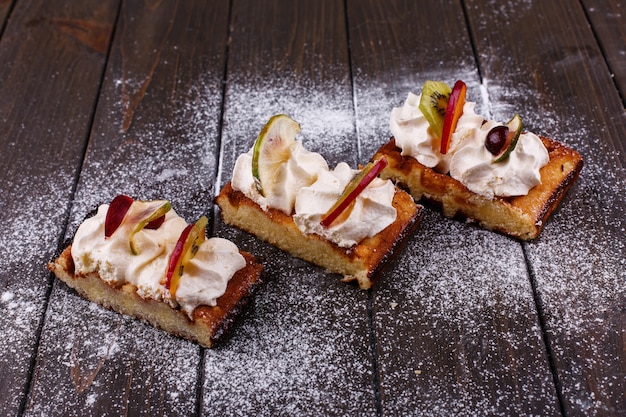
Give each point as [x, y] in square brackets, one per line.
[271, 149]
[151, 211]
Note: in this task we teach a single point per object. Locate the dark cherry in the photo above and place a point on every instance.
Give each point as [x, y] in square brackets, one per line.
[496, 138]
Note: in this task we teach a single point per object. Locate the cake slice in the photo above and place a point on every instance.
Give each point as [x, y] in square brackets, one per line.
[288, 201]
[360, 263]
[494, 174]
[151, 265]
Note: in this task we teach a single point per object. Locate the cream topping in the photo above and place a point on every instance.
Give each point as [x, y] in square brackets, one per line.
[473, 166]
[300, 170]
[207, 273]
[415, 137]
[204, 279]
[305, 184]
[371, 212]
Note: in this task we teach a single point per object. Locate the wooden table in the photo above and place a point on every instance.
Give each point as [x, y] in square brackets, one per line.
[156, 99]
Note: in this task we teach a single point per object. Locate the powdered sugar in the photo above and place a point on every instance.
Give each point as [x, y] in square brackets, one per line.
[154, 158]
[28, 239]
[446, 289]
[303, 349]
[151, 371]
[325, 115]
[455, 318]
[453, 289]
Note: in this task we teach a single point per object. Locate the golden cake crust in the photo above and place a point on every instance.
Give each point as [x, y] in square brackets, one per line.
[208, 324]
[522, 217]
[359, 263]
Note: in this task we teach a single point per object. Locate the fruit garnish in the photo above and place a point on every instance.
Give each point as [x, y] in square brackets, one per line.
[353, 189]
[151, 212]
[496, 138]
[156, 223]
[454, 110]
[271, 149]
[514, 127]
[115, 214]
[433, 104]
[187, 246]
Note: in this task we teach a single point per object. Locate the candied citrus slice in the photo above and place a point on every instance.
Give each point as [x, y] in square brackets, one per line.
[433, 104]
[187, 246]
[353, 189]
[271, 149]
[453, 114]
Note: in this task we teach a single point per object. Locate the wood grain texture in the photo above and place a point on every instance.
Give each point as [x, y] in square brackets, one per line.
[155, 135]
[557, 78]
[157, 98]
[306, 333]
[45, 73]
[5, 6]
[456, 326]
[608, 20]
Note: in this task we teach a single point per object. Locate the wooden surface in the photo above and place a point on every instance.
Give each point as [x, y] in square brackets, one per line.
[156, 99]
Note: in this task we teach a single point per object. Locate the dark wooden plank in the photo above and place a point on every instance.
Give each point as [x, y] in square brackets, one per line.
[304, 345]
[456, 325]
[47, 72]
[558, 80]
[608, 19]
[5, 6]
[155, 135]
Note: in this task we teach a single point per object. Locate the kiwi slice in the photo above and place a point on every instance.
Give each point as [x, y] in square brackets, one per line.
[433, 104]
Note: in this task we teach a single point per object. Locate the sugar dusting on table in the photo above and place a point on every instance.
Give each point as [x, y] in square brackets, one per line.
[28, 240]
[274, 356]
[122, 357]
[465, 320]
[304, 337]
[579, 262]
[438, 290]
[162, 158]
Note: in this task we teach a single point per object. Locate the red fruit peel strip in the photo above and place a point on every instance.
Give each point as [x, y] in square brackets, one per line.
[353, 189]
[453, 114]
[115, 214]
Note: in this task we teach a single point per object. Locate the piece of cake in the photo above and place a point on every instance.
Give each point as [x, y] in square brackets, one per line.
[491, 173]
[347, 221]
[141, 259]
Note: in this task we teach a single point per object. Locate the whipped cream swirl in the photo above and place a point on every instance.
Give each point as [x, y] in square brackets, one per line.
[467, 160]
[300, 170]
[206, 275]
[307, 189]
[370, 213]
[472, 165]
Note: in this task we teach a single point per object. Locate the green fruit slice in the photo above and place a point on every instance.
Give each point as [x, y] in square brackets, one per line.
[151, 211]
[187, 246]
[271, 149]
[433, 104]
[515, 129]
[353, 189]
